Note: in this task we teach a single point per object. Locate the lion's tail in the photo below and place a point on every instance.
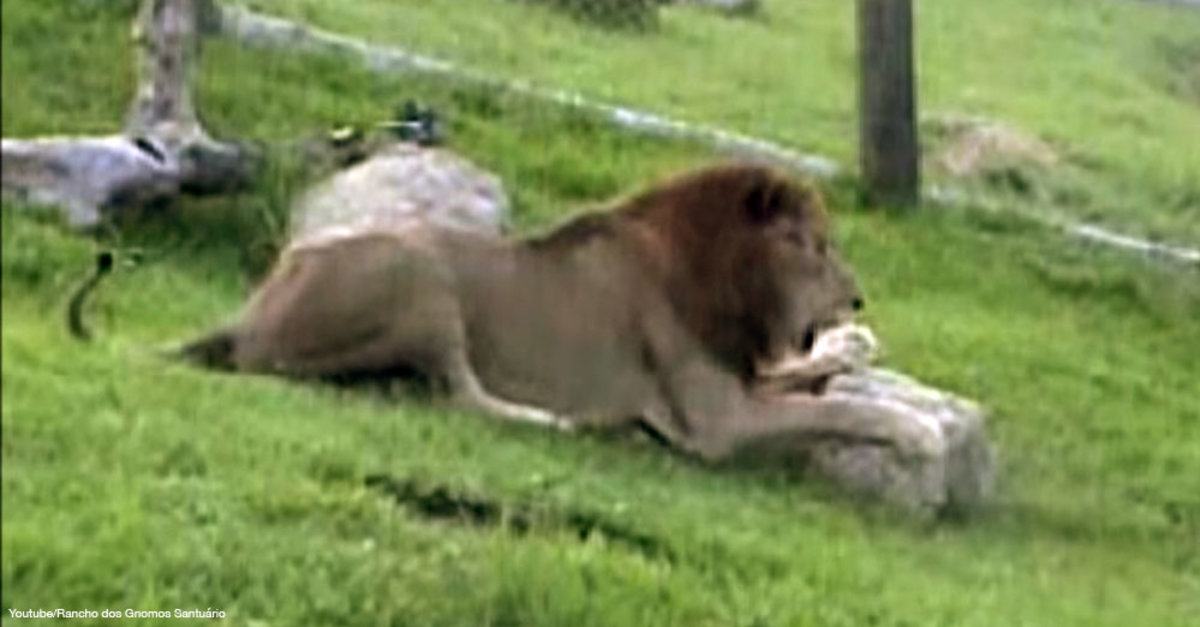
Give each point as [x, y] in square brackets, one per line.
[75, 324]
[214, 350]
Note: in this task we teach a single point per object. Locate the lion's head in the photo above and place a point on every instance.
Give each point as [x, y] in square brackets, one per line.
[749, 263]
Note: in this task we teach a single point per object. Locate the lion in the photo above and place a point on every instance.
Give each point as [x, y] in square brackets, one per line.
[664, 312]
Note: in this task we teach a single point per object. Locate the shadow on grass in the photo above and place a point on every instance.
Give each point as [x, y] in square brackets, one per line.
[444, 503]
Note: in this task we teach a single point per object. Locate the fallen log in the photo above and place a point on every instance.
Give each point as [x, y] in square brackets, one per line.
[163, 150]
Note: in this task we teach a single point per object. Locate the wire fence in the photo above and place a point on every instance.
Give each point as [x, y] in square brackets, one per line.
[778, 79]
[664, 67]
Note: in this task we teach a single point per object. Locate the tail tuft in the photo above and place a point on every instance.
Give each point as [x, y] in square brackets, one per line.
[213, 351]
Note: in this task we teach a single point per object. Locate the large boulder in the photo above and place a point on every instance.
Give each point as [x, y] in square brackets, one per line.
[398, 185]
[960, 476]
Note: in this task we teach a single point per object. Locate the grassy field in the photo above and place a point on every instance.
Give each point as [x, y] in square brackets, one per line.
[133, 483]
[1113, 85]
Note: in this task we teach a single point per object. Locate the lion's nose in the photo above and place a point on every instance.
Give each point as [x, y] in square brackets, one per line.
[857, 304]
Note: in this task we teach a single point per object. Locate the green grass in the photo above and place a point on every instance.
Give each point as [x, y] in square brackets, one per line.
[130, 482]
[1110, 83]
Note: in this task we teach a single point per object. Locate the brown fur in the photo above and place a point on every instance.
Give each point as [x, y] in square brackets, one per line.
[720, 277]
[657, 313]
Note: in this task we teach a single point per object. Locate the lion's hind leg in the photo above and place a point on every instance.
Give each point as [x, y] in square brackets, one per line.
[467, 392]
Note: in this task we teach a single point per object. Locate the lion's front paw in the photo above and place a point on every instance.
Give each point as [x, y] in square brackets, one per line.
[852, 346]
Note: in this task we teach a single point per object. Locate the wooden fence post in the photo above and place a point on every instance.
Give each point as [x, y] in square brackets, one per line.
[888, 151]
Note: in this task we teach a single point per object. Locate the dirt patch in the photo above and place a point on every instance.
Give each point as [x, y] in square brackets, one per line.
[964, 147]
[443, 503]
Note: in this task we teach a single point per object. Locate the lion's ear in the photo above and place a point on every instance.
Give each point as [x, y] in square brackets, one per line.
[766, 200]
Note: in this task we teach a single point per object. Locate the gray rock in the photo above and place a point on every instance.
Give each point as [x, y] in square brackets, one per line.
[397, 186]
[961, 473]
[961, 477]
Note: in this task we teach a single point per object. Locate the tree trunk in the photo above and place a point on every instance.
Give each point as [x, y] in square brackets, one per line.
[888, 150]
